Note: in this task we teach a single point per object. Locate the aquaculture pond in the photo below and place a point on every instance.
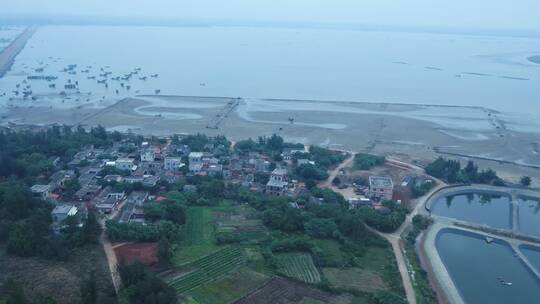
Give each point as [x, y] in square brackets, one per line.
[532, 254]
[475, 207]
[529, 215]
[486, 272]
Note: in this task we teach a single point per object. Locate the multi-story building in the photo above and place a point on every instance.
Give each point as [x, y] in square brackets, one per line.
[381, 187]
[278, 182]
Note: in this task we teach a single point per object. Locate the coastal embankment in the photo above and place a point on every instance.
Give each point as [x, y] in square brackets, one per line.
[8, 54]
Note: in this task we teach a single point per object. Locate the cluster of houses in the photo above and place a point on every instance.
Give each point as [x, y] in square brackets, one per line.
[147, 164]
[96, 171]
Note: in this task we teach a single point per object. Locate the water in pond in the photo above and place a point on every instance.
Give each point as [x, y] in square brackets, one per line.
[479, 208]
[529, 216]
[480, 270]
[533, 255]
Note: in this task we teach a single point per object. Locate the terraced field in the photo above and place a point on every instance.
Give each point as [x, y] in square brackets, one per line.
[209, 268]
[299, 266]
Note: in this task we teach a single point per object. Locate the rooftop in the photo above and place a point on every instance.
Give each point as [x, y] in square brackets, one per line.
[65, 209]
[380, 181]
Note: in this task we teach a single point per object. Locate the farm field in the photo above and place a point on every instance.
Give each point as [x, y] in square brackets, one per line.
[354, 278]
[229, 288]
[299, 266]
[332, 255]
[198, 235]
[209, 268]
[283, 291]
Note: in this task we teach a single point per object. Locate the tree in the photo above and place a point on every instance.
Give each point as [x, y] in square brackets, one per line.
[164, 252]
[321, 228]
[89, 288]
[525, 181]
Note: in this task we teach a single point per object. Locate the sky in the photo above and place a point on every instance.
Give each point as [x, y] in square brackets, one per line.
[481, 14]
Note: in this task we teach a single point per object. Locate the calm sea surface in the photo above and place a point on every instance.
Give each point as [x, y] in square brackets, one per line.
[289, 63]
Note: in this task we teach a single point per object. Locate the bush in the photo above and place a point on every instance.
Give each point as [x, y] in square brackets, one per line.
[363, 161]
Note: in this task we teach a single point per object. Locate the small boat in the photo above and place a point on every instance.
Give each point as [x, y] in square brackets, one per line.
[489, 240]
[507, 283]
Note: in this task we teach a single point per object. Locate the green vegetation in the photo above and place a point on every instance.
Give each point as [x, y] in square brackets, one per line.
[140, 285]
[451, 171]
[364, 161]
[117, 231]
[209, 268]
[384, 222]
[229, 288]
[198, 235]
[525, 181]
[325, 158]
[354, 278]
[299, 266]
[424, 292]
[201, 142]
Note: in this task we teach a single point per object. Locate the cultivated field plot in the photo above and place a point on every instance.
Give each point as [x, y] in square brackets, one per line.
[240, 221]
[198, 234]
[299, 266]
[229, 288]
[209, 268]
[143, 252]
[283, 291]
[354, 278]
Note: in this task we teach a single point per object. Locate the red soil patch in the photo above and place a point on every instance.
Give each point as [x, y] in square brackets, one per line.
[143, 252]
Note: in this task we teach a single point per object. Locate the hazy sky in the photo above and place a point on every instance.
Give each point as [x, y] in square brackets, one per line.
[487, 14]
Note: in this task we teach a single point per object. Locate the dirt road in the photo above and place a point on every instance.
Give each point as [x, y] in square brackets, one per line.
[332, 174]
[109, 250]
[394, 238]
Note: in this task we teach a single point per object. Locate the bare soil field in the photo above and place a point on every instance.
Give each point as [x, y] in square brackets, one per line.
[143, 252]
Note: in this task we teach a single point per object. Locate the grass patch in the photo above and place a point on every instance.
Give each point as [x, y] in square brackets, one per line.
[229, 288]
[331, 253]
[354, 278]
[299, 266]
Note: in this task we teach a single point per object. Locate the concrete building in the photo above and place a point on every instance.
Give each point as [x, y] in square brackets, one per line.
[61, 212]
[124, 164]
[173, 163]
[381, 187]
[41, 191]
[148, 155]
[195, 157]
[278, 182]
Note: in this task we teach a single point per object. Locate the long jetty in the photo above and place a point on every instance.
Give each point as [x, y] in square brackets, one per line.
[223, 113]
[7, 55]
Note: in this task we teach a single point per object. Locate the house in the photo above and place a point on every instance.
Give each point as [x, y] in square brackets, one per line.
[113, 178]
[41, 191]
[288, 153]
[148, 155]
[173, 163]
[59, 178]
[381, 187]
[124, 163]
[107, 206]
[355, 202]
[61, 212]
[138, 198]
[195, 157]
[278, 182]
[87, 192]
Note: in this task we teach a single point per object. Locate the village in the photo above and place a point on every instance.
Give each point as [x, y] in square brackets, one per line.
[119, 181]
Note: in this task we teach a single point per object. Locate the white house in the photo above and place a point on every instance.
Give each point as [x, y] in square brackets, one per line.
[124, 163]
[61, 212]
[381, 187]
[172, 163]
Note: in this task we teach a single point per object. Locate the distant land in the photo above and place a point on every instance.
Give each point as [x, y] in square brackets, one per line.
[535, 59]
